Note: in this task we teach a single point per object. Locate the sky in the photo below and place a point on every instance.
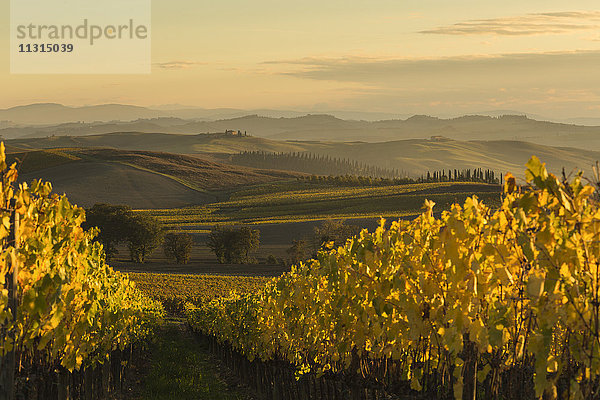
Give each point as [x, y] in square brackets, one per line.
[406, 57]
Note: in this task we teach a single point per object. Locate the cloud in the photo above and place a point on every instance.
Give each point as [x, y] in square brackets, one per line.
[529, 24]
[482, 70]
[565, 82]
[593, 15]
[178, 64]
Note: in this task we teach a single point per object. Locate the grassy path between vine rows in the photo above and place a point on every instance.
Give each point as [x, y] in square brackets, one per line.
[179, 366]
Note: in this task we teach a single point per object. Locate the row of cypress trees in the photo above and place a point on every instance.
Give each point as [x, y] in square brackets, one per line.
[343, 169]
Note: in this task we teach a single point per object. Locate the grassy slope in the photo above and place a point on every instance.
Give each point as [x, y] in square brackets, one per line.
[87, 183]
[138, 179]
[39, 159]
[194, 172]
[181, 144]
[414, 156]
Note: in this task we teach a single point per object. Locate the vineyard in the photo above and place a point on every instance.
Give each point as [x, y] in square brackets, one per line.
[496, 301]
[175, 290]
[298, 201]
[68, 322]
[478, 303]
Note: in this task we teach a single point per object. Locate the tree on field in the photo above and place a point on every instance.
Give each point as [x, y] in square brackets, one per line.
[218, 240]
[145, 234]
[333, 231]
[233, 246]
[112, 222]
[248, 241]
[119, 224]
[298, 252]
[178, 247]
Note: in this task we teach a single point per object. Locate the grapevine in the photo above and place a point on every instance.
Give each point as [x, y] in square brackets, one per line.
[73, 309]
[460, 302]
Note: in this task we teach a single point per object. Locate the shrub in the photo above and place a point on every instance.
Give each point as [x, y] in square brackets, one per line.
[298, 251]
[233, 246]
[178, 247]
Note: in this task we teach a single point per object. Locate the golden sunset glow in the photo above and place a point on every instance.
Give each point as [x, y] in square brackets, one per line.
[431, 57]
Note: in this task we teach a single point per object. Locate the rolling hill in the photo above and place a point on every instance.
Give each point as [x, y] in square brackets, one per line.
[52, 113]
[88, 183]
[417, 156]
[181, 144]
[138, 179]
[414, 156]
[330, 128]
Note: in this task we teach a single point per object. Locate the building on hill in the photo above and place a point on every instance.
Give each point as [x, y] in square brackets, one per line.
[439, 138]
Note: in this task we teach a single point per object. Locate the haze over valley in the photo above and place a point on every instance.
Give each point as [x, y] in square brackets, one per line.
[411, 146]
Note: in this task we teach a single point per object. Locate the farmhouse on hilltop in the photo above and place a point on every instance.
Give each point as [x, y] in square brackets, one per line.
[233, 132]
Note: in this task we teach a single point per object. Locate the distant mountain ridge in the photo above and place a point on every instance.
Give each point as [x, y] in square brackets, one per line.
[54, 113]
[328, 128]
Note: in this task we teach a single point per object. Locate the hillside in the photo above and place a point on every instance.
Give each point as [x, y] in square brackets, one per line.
[87, 183]
[51, 113]
[304, 202]
[196, 173]
[415, 156]
[181, 144]
[138, 179]
[330, 128]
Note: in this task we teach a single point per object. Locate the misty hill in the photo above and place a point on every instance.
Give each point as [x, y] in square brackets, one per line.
[417, 155]
[414, 156]
[180, 144]
[55, 114]
[50, 113]
[509, 127]
[139, 179]
[329, 128]
[298, 127]
[161, 124]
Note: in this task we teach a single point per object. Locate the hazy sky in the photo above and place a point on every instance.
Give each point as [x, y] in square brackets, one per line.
[431, 57]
